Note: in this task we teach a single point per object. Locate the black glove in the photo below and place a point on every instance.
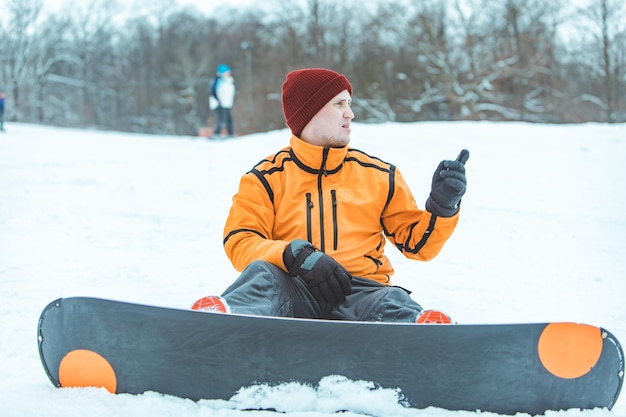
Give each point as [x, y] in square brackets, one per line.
[448, 187]
[328, 282]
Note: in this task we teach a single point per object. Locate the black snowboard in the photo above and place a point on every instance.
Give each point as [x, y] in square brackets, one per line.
[511, 368]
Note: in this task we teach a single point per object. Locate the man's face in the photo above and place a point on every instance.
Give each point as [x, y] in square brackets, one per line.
[330, 127]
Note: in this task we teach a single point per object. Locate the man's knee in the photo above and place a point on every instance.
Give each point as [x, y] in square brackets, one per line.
[262, 270]
[396, 305]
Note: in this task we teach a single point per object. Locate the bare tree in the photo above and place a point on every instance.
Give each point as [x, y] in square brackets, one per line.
[606, 30]
[90, 65]
[22, 16]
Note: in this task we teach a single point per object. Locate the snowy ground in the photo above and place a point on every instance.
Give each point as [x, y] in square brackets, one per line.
[542, 237]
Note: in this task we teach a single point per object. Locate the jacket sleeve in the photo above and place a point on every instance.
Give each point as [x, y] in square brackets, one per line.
[417, 233]
[248, 228]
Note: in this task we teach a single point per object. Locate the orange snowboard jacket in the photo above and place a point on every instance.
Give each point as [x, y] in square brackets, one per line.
[342, 200]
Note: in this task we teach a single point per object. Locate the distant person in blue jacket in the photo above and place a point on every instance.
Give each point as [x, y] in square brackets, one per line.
[1, 111]
[221, 100]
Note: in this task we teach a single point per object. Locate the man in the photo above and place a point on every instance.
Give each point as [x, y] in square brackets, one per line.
[221, 100]
[1, 111]
[308, 225]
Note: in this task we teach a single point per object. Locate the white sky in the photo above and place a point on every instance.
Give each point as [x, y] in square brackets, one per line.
[208, 6]
[205, 6]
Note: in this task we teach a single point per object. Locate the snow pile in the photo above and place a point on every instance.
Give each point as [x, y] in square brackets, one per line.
[139, 218]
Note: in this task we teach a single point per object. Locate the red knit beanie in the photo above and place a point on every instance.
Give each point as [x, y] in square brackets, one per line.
[306, 91]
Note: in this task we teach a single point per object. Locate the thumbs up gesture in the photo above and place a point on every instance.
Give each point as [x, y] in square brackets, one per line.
[448, 187]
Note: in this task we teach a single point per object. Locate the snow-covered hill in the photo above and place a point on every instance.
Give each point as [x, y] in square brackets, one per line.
[542, 237]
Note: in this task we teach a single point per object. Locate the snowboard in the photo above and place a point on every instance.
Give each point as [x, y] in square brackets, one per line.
[500, 368]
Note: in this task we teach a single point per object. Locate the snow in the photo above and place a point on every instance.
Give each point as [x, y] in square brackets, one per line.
[139, 218]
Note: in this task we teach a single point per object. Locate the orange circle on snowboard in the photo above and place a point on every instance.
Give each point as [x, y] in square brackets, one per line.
[569, 350]
[85, 368]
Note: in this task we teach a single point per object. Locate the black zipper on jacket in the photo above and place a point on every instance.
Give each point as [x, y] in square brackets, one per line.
[309, 208]
[322, 173]
[333, 193]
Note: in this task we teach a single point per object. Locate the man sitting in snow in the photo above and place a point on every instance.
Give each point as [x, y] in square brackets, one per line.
[308, 224]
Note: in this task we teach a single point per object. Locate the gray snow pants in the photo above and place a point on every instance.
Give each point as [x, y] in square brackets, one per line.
[264, 289]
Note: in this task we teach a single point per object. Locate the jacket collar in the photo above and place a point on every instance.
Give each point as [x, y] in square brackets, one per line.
[313, 157]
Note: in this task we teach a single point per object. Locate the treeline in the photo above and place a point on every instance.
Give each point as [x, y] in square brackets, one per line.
[93, 65]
